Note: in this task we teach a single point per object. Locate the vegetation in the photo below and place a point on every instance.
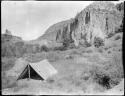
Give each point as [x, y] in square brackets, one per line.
[98, 42]
[77, 67]
[62, 48]
[118, 37]
[44, 48]
[18, 49]
[110, 74]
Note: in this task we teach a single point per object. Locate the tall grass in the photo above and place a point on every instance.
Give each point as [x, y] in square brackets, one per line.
[110, 73]
[7, 63]
[8, 82]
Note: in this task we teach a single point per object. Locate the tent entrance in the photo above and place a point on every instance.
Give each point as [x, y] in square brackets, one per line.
[30, 73]
[34, 74]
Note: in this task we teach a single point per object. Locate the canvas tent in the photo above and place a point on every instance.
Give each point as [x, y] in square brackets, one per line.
[40, 71]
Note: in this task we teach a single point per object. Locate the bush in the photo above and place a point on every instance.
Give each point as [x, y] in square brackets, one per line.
[71, 46]
[87, 44]
[62, 48]
[109, 74]
[44, 48]
[118, 37]
[98, 42]
[110, 35]
[120, 29]
[102, 79]
[100, 76]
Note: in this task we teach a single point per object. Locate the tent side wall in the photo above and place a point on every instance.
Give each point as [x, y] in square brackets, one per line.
[44, 69]
[24, 74]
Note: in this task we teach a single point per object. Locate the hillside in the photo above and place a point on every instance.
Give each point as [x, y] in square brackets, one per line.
[14, 46]
[7, 36]
[99, 19]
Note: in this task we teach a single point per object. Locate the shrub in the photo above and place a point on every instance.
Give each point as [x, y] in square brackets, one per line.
[110, 35]
[119, 29]
[98, 42]
[71, 46]
[100, 76]
[44, 48]
[62, 48]
[118, 37]
[109, 74]
[87, 44]
[103, 79]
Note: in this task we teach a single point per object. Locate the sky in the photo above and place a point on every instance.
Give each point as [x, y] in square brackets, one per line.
[30, 19]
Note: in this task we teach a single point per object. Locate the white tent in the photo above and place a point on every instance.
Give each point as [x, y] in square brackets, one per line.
[40, 70]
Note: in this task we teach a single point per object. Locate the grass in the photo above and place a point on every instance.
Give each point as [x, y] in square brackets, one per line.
[17, 88]
[95, 73]
[7, 63]
[110, 74]
[8, 82]
[54, 56]
[36, 57]
[51, 56]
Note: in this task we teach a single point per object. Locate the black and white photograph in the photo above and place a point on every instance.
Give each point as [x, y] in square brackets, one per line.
[62, 47]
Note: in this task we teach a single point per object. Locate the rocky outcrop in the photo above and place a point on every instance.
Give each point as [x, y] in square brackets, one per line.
[98, 20]
[7, 36]
[8, 32]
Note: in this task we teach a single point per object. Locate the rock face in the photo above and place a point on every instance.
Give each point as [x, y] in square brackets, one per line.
[99, 20]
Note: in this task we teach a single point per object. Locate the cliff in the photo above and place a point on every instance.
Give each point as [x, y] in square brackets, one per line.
[100, 19]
